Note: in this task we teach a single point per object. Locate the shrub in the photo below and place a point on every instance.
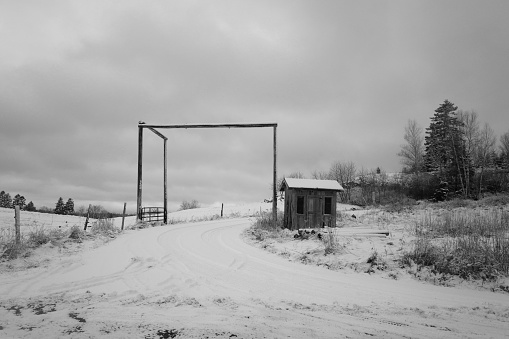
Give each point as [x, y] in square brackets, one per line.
[38, 237]
[400, 206]
[376, 261]
[104, 227]
[11, 250]
[187, 205]
[456, 203]
[265, 221]
[471, 244]
[264, 226]
[57, 234]
[76, 233]
[494, 200]
[331, 242]
[420, 186]
[41, 236]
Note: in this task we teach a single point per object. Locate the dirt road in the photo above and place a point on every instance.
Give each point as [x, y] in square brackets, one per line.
[202, 280]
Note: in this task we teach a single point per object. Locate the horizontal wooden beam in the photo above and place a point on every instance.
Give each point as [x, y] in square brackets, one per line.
[185, 126]
[157, 132]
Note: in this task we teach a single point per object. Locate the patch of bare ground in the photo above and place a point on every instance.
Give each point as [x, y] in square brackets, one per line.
[358, 245]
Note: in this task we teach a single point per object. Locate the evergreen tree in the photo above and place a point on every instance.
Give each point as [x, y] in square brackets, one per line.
[445, 151]
[5, 200]
[30, 207]
[20, 201]
[69, 206]
[60, 207]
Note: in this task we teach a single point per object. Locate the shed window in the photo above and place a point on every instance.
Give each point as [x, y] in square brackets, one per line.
[300, 205]
[328, 205]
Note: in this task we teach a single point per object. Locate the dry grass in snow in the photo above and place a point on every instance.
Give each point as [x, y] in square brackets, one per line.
[458, 247]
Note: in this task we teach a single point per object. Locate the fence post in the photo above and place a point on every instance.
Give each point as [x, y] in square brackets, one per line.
[123, 216]
[88, 216]
[17, 224]
[221, 210]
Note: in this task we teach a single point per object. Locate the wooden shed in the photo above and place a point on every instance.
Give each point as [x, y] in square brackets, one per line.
[310, 203]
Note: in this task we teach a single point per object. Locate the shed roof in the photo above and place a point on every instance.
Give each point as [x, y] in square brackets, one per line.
[329, 185]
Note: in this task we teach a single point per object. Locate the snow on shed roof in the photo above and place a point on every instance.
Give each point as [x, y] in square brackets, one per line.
[331, 185]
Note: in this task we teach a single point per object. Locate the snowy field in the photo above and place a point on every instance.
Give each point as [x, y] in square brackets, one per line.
[203, 280]
[33, 221]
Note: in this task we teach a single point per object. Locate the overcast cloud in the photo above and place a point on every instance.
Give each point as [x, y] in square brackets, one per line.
[341, 79]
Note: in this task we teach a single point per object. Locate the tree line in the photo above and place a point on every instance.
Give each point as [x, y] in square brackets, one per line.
[7, 202]
[61, 207]
[360, 185]
[456, 156]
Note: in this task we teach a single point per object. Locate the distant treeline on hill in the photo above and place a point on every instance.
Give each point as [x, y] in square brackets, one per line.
[7, 202]
[94, 211]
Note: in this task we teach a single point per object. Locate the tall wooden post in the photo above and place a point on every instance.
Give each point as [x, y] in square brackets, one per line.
[165, 185]
[17, 224]
[123, 216]
[140, 168]
[274, 188]
[88, 216]
[142, 125]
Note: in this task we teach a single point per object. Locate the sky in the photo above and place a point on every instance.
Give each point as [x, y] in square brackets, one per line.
[340, 78]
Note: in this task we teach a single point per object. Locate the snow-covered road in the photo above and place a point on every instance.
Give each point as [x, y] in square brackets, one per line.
[203, 278]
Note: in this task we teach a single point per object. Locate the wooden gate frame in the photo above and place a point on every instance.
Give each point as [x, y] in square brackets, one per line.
[152, 128]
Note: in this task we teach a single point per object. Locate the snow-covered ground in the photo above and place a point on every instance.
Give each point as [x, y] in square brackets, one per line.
[229, 210]
[33, 221]
[203, 279]
[195, 214]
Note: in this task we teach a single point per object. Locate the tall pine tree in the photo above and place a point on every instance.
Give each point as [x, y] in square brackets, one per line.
[60, 207]
[69, 206]
[445, 151]
[5, 200]
[20, 201]
[30, 207]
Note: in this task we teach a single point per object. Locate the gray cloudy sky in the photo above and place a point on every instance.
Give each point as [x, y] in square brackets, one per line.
[341, 78]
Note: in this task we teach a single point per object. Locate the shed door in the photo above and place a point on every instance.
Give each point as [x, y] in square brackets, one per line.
[314, 211]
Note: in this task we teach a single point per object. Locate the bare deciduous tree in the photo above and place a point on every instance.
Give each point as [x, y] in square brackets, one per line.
[485, 151]
[296, 175]
[344, 173]
[320, 175]
[187, 205]
[412, 153]
[504, 149]
[470, 130]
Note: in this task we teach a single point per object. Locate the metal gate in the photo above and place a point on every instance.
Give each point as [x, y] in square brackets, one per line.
[152, 214]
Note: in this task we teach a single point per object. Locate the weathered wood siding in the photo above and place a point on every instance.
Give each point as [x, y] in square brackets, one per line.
[312, 208]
